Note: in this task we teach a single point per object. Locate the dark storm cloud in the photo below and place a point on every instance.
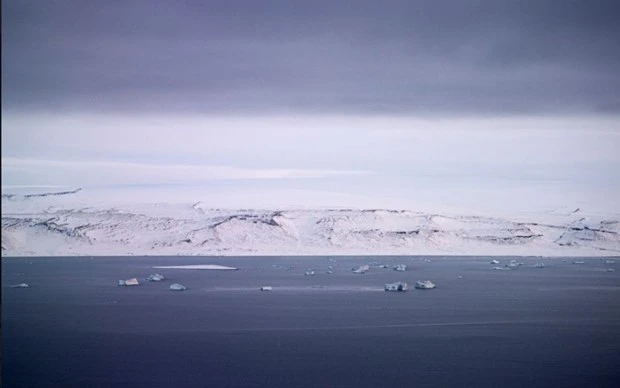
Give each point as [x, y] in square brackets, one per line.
[398, 57]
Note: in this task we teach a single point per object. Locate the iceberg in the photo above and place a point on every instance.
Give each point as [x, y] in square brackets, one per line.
[177, 287]
[494, 261]
[424, 285]
[361, 269]
[129, 282]
[398, 286]
[400, 267]
[21, 285]
[266, 288]
[155, 278]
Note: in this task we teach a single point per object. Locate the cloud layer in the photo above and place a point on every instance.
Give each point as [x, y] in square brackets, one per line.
[312, 57]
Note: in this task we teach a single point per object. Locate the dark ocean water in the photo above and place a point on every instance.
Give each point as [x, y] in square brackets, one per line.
[557, 326]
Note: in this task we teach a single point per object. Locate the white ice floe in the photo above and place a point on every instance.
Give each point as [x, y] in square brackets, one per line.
[424, 285]
[266, 288]
[129, 282]
[400, 267]
[177, 287]
[197, 266]
[398, 286]
[21, 285]
[155, 278]
[494, 261]
[361, 269]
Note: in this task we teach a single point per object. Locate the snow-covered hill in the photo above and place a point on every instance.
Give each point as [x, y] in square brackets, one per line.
[54, 224]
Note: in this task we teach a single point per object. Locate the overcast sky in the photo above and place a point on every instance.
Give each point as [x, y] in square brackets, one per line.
[340, 97]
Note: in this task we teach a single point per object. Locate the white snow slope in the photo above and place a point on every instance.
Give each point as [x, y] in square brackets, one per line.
[54, 225]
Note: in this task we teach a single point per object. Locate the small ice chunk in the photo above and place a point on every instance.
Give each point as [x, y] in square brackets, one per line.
[400, 267]
[460, 277]
[610, 262]
[361, 269]
[329, 271]
[539, 265]
[177, 287]
[384, 266]
[155, 278]
[424, 285]
[611, 270]
[398, 286]
[21, 285]
[309, 273]
[501, 268]
[266, 288]
[494, 261]
[129, 282]
[579, 262]
[427, 260]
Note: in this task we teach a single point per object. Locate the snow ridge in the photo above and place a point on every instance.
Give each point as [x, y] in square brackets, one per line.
[196, 229]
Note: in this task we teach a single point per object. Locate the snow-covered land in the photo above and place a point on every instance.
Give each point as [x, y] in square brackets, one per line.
[61, 224]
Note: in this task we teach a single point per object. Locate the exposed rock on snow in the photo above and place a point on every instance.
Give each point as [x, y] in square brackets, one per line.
[177, 287]
[398, 286]
[424, 285]
[129, 282]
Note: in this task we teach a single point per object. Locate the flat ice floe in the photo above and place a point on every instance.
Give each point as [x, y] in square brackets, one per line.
[197, 266]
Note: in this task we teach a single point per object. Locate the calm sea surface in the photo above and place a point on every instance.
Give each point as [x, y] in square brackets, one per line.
[557, 326]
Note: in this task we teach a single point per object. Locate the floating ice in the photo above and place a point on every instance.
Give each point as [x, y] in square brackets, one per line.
[177, 287]
[129, 282]
[427, 260]
[501, 268]
[361, 269]
[21, 285]
[610, 262]
[494, 261]
[424, 285]
[266, 288]
[199, 266]
[309, 273]
[155, 278]
[398, 286]
[400, 267]
[611, 270]
[539, 265]
[579, 262]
